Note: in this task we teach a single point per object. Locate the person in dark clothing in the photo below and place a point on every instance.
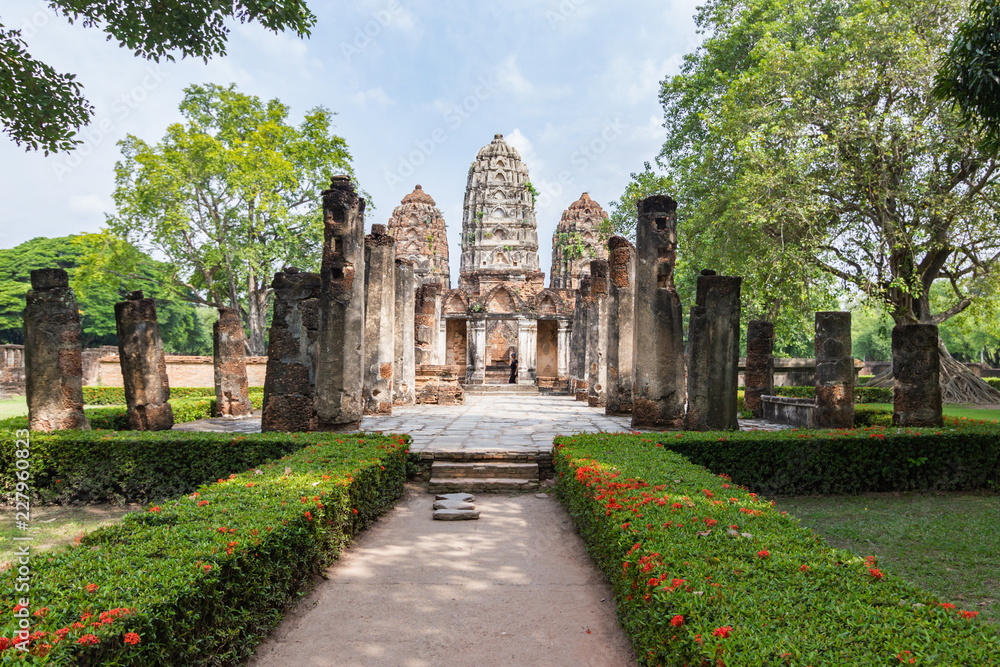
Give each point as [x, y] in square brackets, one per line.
[513, 369]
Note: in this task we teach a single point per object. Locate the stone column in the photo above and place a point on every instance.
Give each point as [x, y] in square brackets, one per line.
[380, 301]
[426, 310]
[475, 348]
[578, 342]
[340, 355]
[658, 349]
[916, 367]
[143, 364]
[527, 345]
[714, 355]
[759, 376]
[562, 348]
[597, 334]
[834, 371]
[621, 298]
[404, 379]
[292, 350]
[53, 358]
[232, 391]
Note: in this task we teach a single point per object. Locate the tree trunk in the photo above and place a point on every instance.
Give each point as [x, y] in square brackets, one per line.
[958, 383]
[256, 316]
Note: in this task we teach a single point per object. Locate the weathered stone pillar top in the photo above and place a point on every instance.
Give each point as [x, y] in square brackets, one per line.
[342, 193]
[616, 242]
[599, 277]
[135, 295]
[379, 237]
[657, 204]
[758, 329]
[721, 285]
[49, 279]
[833, 335]
[291, 279]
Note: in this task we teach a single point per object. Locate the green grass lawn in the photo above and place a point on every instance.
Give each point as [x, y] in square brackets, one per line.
[950, 410]
[13, 407]
[947, 543]
[54, 526]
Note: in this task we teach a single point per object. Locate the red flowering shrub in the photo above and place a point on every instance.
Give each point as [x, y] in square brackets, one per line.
[687, 569]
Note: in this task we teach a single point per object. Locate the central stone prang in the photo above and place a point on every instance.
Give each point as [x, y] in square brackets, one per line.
[499, 232]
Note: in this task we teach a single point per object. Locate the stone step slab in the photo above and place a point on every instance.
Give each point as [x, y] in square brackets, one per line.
[482, 470]
[456, 515]
[453, 505]
[482, 485]
[457, 497]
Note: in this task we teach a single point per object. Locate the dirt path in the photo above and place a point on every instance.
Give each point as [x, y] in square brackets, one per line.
[515, 587]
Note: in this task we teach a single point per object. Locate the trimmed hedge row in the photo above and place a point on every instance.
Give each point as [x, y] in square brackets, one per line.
[201, 579]
[113, 417]
[964, 455]
[861, 394]
[93, 466]
[706, 573]
[116, 395]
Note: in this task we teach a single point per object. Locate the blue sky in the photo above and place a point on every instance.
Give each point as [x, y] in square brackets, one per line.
[418, 86]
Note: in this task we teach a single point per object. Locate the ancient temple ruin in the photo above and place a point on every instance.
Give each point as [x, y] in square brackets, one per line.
[577, 241]
[421, 237]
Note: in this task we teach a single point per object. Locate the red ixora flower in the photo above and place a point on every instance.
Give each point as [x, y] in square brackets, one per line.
[90, 588]
[723, 631]
[88, 640]
[155, 509]
[803, 568]
[969, 614]
[202, 503]
[906, 656]
[876, 573]
[764, 553]
[947, 605]
[677, 621]
[132, 638]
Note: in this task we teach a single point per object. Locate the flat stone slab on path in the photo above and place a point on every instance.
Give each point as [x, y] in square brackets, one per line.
[456, 515]
[514, 588]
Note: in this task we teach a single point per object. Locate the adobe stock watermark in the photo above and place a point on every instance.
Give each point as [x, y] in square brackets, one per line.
[31, 25]
[100, 129]
[562, 13]
[22, 546]
[584, 156]
[366, 35]
[454, 117]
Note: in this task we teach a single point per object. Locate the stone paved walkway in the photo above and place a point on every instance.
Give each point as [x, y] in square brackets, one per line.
[486, 423]
[515, 587]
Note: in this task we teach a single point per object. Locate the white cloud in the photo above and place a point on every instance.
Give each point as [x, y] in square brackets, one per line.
[89, 205]
[374, 97]
[525, 148]
[511, 79]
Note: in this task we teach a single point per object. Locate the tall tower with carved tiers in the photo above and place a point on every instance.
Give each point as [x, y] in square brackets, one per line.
[421, 237]
[499, 234]
[576, 242]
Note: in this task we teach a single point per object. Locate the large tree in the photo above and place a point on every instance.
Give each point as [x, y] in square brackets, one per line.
[806, 138]
[97, 291]
[229, 197]
[970, 72]
[41, 108]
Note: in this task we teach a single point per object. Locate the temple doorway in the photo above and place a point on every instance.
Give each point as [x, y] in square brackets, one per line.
[456, 341]
[547, 353]
[501, 343]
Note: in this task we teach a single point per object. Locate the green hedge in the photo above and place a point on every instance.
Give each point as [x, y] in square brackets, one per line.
[861, 394]
[201, 579]
[93, 466]
[962, 456]
[112, 418]
[116, 395]
[705, 573]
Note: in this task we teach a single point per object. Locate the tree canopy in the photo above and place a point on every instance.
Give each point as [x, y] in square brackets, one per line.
[229, 196]
[970, 72]
[810, 155]
[41, 108]
[96, 293]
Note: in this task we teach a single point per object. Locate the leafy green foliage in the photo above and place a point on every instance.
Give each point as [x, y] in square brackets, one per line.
[116, 395]
[229, 196]
[42, 109]
[201, 579]
[624, 212]
[97, 292]
[805, 145]
[970, 72]
[705, 572]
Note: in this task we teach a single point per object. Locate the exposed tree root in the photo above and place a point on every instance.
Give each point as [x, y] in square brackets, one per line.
[958, 383]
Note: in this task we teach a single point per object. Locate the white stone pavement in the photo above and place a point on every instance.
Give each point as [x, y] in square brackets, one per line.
[520, 423]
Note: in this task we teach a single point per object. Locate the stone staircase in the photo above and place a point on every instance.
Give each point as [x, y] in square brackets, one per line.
[500, 388]
[487, 472]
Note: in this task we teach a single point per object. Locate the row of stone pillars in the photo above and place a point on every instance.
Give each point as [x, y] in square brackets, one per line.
[627, 346]
[341, 343]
